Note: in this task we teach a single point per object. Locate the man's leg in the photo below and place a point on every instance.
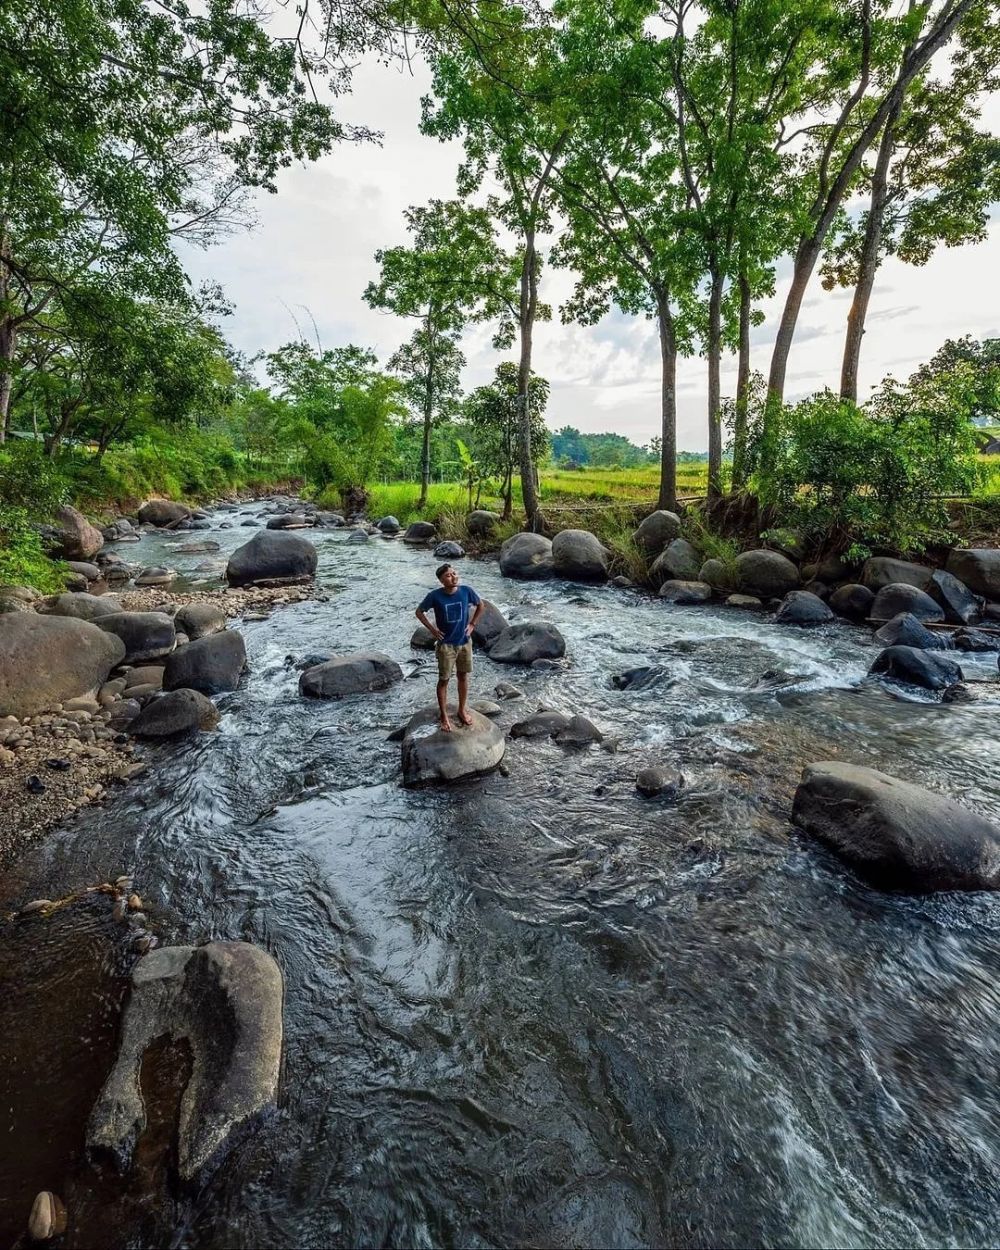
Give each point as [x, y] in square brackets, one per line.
[442, 693]
[446, 663]
[463, 667]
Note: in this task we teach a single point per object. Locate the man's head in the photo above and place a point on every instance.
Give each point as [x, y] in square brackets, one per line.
[447, 576]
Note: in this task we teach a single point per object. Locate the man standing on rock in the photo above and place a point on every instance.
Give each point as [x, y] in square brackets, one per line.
[452, 628]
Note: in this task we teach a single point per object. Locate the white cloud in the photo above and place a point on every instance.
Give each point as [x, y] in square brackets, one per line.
[312, 254]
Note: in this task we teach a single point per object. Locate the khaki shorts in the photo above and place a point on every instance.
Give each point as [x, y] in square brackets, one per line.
[453, 659]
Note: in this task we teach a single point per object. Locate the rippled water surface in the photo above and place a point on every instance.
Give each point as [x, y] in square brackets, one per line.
[537, 1009]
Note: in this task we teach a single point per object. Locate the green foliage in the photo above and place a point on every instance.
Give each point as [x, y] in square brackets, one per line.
[571, 449]
[493, 415]
[31, 489]
[874, 475]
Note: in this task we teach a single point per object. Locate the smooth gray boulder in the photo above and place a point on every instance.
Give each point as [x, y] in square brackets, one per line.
[905, 630]
[580, 731]
[198, 620]
[959, 603]
[579, 556]
[212, 664]
[489, 627]
[388, 525]
[272, 556]
[929, 669]
[79, 604]
[358, 536]
[449, 550]
[527, 642]
[49, 659]
[289, 521]
[527, 557]
[162, 512]
[174, 713]
[75, 537]
[768, 574]
[225, 1000]
[659, 780]
[422, 639]
[431, 755]
[853, 601]
[656, 530]
[897, 835]
[146, 635]
[542, 724]
[801, 607]
[85, 569]
[155, 575]
[978, 568]
[481, 523]
[679, 561]
[881, 571]
[902, 597]
[354, 673]
[681, 592]
[975, 640]
[328, 520]
[419, 532]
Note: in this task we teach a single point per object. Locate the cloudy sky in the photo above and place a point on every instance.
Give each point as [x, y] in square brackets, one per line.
[311, 255]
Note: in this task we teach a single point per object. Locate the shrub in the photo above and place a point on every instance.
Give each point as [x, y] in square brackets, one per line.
[31, 489]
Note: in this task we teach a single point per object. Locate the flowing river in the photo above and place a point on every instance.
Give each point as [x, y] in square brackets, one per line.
[534, 1009]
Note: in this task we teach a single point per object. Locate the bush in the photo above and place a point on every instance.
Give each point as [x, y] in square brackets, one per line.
[31, 489]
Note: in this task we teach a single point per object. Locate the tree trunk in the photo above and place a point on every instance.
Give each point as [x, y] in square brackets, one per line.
[742, 389]
[8, 341]
[715, 385]
[867, 264]
[668, 405]
[526, 322]
[425, 451]
[52, 441]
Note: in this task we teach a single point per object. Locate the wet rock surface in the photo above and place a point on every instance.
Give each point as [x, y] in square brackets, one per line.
[432, 755]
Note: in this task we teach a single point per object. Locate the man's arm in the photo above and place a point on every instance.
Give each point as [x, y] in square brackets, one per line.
[473, 618]
[427, 623]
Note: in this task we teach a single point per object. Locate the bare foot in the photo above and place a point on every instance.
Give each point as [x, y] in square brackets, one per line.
[464, 717]
[445, 726]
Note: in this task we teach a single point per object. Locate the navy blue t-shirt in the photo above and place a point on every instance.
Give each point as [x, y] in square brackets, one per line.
[451, 612]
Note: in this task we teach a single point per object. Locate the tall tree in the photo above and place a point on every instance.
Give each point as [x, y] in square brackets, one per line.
[495, 87]
[494, 413]
[455, 272]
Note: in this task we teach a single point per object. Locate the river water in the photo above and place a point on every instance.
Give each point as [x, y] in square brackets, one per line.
[535, 1009]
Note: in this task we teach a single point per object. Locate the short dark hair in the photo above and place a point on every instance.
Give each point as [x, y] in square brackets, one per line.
[443, 569]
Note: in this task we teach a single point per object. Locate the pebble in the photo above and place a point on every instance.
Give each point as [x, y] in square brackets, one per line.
[48, 1217]
[7, 758]
[38, 904]
[35, 785]
[134, 902]
[144, 943]
[58, 765]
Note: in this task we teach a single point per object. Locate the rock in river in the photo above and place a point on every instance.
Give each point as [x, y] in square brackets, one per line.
[48, 659]
[489, 627]
[162, 512]
[198, 620]
[902, 597]
[799, 607]
[146, 635]
[853, 601]
[419, 532]
[225, 1000]
[526, 556]
[354, 673]
[679, 561]
[895, 834]
[680, 592]
[766, 573]
[429, 754]
[656, 530]
[929, 669]
[579, 556]
[449, 550]
[978, 568]
[905, 630]
[659, 780]
[881, 571]
[81, 605]
[212, 664]
[272, 556]
[526, 642]
[959, 603]
[174, 713]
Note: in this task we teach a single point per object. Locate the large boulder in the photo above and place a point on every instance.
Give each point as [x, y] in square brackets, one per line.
[489, 627]
[174, 713]
[212, 665]
[449, 550]
[853, 601]
[49, 659]
[656, 530]
[163, 512]
[430, 754]
[902, 597]
[146, 635]
[800, 607]
[481, 523]
[198, 620]
[882, 571]
[678, 561]
[526, 556]
[80, 605]
[419, 532]
[354, 673]
[388, 525]
[83, 568]
[272, 556]
[719, 575]
[289, 521]
[224, 1000]
[527, 642]
[905, 630]
[929, 669]
[897, 835]
[684, 593]
[976, 640]
[978, 568]
[21, 598]
[76, 538]
[959, 603]
[768, 574]
[579, 556]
